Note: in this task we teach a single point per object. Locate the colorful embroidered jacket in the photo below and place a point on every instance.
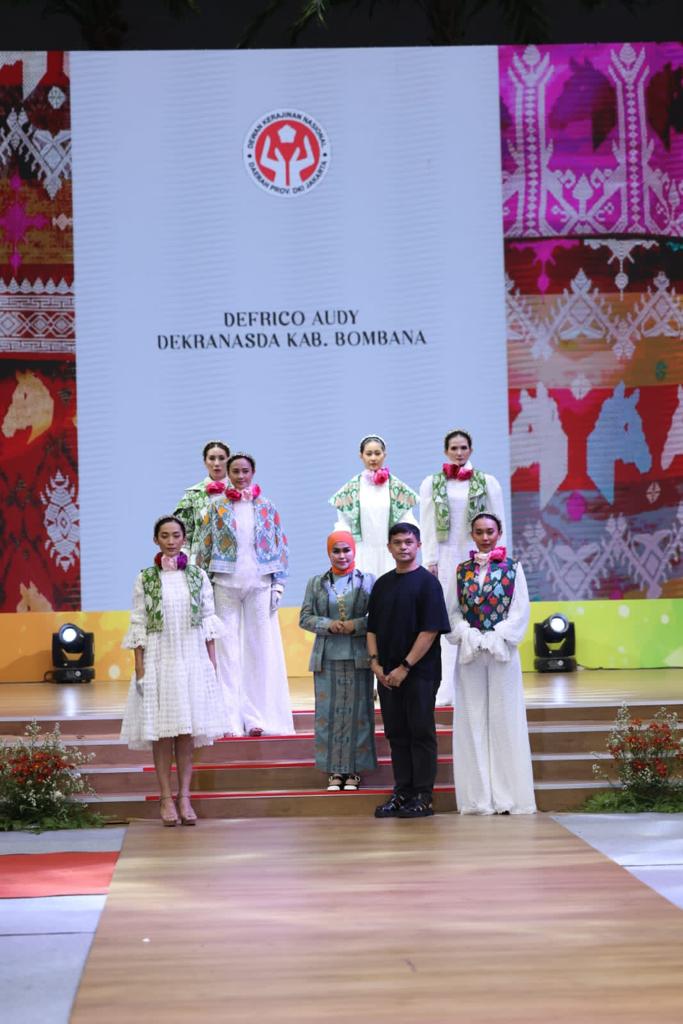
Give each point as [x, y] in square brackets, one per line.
[347, 499]
[190, 511]
[217, 542]
[483, 608]
[476, 501]
[151, 588]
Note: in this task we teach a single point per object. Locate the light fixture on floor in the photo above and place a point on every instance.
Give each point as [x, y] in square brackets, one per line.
[73, 656]
[554, 644]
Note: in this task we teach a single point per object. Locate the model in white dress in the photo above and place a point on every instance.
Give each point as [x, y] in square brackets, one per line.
[488, 605]
[175, 701]
[442, 556]
[369, 504]
[181, 694]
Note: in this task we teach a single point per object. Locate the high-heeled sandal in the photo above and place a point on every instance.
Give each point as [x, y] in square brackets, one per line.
[185, 818]
[169, 820]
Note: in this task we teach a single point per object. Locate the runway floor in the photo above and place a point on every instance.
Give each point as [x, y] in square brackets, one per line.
[446, 919]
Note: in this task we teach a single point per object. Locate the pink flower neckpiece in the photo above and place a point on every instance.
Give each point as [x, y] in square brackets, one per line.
[248, 494]
[484, 557]
[377, 476]
[453, 472]
[216, 487]
[170, 563]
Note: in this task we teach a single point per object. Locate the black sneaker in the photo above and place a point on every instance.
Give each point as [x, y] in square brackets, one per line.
[391, 807]
[419, 806]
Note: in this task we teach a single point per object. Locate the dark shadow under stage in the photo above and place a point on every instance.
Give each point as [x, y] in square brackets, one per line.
[569, 717]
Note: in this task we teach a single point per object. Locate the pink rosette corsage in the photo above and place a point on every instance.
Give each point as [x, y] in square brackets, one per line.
[248, 494]
[215, 487]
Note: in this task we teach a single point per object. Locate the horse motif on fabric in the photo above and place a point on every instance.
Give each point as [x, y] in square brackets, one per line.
[617, 436]
[537, 437]
[31, 405]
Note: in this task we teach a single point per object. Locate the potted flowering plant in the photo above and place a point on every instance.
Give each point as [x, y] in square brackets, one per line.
[648, 756]
[39, 777]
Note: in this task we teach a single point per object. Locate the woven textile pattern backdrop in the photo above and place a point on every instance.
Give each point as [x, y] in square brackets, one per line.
[38, 445]
[592, 150]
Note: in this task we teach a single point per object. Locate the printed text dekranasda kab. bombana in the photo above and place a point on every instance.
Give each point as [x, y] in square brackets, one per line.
[290, 339]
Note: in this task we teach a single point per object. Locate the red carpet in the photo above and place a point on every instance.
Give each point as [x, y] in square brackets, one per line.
[55, 874]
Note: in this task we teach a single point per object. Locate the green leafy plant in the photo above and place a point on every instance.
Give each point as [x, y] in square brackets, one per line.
[649, 762]
[39, 777]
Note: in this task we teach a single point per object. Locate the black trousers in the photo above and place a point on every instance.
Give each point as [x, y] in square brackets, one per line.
[409, 726]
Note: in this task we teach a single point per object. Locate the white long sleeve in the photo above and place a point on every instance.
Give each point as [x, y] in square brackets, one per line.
[430, 547]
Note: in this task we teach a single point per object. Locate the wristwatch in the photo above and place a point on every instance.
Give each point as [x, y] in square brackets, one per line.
[373, 657]
[406, 664]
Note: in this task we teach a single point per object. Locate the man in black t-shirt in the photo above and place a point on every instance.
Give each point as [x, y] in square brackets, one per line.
[406, 615]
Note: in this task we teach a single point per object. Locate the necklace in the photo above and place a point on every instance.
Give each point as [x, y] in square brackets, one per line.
[341, 595]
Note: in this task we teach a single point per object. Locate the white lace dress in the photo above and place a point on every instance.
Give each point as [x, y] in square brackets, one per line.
[181, 693]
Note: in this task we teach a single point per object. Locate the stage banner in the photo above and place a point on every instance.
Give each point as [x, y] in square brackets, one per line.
[39, 518]
[287, 250]
[592, 148]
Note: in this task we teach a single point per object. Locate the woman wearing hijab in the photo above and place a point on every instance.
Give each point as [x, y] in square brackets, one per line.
[335, 609]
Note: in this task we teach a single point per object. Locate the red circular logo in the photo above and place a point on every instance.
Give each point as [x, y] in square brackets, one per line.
[286, 152]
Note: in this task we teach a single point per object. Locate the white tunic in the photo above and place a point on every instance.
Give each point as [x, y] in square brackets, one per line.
[372, 554]
[450, 553]
[492, 759]
[181, 694]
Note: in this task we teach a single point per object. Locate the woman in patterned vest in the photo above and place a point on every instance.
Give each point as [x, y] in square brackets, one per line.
[449, 500]
[242, 545]
[195, 499]
[370, 503]
[488, 604]
[175, 701]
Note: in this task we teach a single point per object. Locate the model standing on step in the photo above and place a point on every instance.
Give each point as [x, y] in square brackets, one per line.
[449, 500]
[175, 701]
[335, 609]
[488, 603]
[242, 545]
[369, 503]
[193, 503]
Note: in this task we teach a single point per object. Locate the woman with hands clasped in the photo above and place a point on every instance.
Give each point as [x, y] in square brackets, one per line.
[335, 609]
[175, 701]
[242, 545]
[488, 605]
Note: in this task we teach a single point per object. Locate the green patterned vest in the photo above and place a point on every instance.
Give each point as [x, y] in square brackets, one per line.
[151, 587]
[476, 501]
[347, 499]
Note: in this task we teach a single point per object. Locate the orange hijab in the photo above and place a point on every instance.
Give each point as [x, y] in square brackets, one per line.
[339, 536]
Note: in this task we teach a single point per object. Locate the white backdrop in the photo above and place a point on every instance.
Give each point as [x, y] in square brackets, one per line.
[172, 234]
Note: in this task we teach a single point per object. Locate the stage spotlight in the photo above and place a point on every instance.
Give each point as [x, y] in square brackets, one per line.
[554, 644]
[73, 656]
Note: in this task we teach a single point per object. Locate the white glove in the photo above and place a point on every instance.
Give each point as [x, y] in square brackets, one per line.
[276, 592]
[470, 645]
[140, 685]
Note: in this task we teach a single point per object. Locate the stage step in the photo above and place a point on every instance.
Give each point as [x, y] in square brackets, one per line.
[255, 776]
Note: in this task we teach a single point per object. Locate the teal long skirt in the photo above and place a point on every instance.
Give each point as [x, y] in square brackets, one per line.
[344, 719]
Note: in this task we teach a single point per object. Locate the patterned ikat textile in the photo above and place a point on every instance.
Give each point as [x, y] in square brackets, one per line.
[592, 149]
[39, 518]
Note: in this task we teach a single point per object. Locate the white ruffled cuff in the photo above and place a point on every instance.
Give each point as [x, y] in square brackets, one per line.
[212, 627]
[470, 645]
[135, 637]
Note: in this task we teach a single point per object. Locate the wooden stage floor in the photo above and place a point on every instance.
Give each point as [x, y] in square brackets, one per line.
[444, 920]
[102, 698]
